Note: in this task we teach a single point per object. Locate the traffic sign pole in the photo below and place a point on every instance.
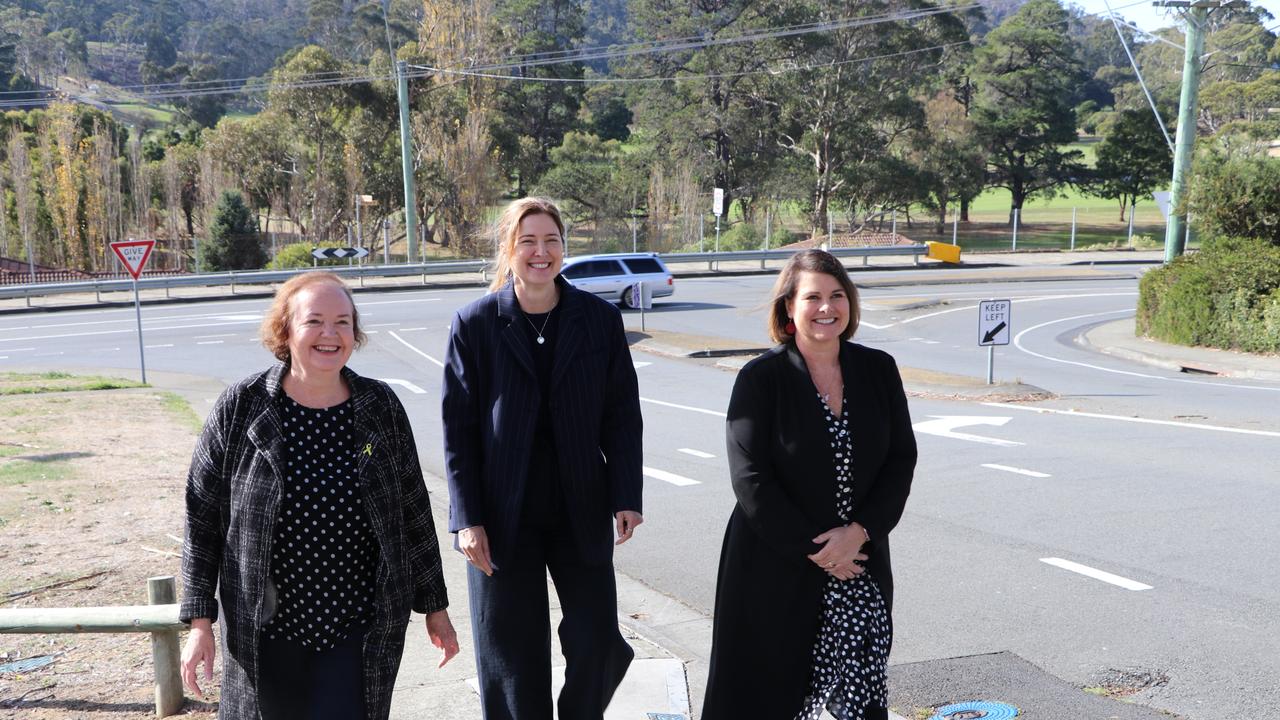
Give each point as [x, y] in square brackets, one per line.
[994, 321]
[137, 311]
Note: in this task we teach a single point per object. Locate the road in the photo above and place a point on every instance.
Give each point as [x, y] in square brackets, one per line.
[1124, 529]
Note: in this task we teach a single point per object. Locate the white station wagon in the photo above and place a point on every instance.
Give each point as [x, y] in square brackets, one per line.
[612, 276]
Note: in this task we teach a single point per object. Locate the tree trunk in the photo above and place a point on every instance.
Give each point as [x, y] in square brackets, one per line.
[964, 209]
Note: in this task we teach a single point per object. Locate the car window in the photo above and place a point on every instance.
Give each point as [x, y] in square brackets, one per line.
[641, 266]
[593, 268]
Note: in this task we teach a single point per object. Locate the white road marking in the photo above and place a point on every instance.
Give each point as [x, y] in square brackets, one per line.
[205, 337]
[52, 354]
[1145, 421]
[393, 334]
[925, 341]
[383, 324]
[148, 347]
[411, 329]
[1017, 342]
[405, 384]
[1096, 574]
[639, 365]
[399, 302]
[4, 357]
[663, 475]
[211, 342]
[1019, 471]
[683, 407]
[696, 453]
[14, 350]
[372, 332]
[873, 326]
[1029, 299]
[125, 330]
[945, 425]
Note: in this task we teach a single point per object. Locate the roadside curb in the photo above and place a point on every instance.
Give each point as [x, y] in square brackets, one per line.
[1117, 338]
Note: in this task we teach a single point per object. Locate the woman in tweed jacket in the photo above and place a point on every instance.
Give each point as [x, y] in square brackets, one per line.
[262, 463]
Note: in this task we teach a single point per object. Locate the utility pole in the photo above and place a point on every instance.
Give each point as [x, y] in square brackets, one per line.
[406, 163]
[1196, 15]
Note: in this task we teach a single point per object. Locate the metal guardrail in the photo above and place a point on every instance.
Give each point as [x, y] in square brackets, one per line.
[360, 272]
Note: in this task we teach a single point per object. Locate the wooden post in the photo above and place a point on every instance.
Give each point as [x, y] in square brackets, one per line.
[165, 655]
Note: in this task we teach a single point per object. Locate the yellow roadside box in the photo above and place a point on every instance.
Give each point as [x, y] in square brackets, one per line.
[944, 251]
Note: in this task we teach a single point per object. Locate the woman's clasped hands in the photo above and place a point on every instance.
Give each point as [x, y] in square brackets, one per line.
[841, 554]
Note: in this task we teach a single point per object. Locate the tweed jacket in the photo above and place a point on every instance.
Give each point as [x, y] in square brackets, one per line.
[490, 404]
[233, 500]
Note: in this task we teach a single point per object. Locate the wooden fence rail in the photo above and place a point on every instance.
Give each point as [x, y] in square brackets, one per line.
[160, 618]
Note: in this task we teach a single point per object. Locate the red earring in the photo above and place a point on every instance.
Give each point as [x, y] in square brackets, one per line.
[791, 328]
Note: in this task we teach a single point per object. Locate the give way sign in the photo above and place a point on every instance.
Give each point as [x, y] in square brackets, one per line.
[134, 254]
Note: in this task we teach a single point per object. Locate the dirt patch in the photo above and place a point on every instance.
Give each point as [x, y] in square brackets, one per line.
[91, 505]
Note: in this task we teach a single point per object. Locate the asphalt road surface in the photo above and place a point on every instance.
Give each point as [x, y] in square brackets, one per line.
[1122, 532]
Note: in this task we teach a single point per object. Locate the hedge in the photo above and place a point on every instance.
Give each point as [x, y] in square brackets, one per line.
[1225, 296]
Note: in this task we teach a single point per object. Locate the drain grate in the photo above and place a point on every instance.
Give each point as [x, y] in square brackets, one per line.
[976, 710]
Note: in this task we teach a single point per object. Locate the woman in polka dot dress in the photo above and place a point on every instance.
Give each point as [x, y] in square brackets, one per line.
[306, 511]
[821, 454]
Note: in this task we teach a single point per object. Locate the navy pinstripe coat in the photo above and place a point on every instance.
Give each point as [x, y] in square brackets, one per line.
[233, 499]
[491, 400]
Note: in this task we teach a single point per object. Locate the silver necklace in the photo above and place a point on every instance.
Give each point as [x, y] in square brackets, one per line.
[545, 320]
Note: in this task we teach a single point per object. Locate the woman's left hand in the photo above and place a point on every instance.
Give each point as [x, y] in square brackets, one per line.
[628, 521]
[840, 546]
[440, 631]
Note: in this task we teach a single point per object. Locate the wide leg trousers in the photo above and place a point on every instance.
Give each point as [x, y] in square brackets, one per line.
[511, 626]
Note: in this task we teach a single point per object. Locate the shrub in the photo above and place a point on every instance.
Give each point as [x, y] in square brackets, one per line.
[1237, 196]
[1226, 296]
[234, 242]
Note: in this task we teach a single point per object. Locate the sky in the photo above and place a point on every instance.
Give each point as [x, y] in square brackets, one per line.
[1146, 16]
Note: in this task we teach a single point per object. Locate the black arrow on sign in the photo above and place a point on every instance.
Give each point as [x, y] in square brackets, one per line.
[992, 333]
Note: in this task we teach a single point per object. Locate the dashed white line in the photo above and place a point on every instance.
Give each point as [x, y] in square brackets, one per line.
[696, 453]
[211, 342]
[393, 334]
[383, 324]
[14, 350]
[411, 329]
[206, 337]
[683, 407]
[1019, 471]
[1145, 421]
[52, 354]
[663, 475]
[1096, 574]
[406, 385]
[148, 347]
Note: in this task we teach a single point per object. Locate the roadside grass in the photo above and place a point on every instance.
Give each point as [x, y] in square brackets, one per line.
[181, 410]
[12, 383]
[24, 471]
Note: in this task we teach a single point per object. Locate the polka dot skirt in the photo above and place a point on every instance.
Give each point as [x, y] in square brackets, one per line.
[324, 555]
[851, 654]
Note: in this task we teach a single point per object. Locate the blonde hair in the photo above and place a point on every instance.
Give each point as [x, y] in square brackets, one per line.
[506, 230]
[275, 324]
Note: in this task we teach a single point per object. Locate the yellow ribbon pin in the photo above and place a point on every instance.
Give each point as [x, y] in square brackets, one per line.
[368, 449]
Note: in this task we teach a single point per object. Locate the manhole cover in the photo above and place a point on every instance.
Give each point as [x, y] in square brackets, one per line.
[976, 710]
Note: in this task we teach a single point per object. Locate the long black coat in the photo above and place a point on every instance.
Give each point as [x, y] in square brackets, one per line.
[490, 404]
[233, 500]
[769, 594]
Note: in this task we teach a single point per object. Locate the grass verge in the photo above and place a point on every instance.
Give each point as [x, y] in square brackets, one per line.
[12, 383]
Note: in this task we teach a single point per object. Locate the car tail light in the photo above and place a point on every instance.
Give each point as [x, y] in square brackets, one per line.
[670, 281]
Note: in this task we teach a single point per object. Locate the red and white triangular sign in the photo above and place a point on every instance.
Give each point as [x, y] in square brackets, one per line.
[134, 254]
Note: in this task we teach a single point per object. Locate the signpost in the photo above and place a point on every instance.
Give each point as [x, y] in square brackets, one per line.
[133, 255]
[717, 207]
[994, 322]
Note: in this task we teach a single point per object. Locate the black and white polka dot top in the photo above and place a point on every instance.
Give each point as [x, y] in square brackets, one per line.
[324, 554]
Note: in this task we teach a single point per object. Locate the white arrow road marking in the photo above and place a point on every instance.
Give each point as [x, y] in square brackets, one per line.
[696, 453]
[638, 365]
[663, 475]
[945, 425]
[873, 326]
[1096, 574]
[393, 334]
[1144, 421]
[406, 385]
[1019, 471]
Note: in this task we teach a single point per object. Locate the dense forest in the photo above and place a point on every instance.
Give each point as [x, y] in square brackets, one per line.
[135, 117]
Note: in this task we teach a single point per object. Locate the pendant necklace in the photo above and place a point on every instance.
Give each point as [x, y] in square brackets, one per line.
[545, 320]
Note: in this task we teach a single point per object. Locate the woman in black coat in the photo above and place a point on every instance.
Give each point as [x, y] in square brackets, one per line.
[309, 525]
[821, 453]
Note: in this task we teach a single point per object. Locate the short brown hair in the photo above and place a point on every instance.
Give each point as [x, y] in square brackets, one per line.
[784, 289]
[275, 325]
[506, 231]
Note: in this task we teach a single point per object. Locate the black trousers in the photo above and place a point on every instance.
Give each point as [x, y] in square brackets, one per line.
[300, 684]
[511, 626]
